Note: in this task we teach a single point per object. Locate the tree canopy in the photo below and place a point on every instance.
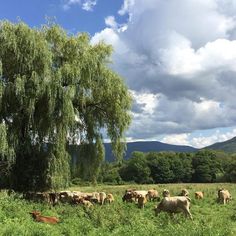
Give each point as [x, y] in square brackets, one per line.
[56, 88]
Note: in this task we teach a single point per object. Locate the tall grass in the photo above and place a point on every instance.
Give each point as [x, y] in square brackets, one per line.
[210, 218]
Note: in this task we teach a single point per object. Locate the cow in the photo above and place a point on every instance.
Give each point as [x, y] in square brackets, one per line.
[109, 199]
[184, 192]
[45, 219]
[174, 205]
[82, 201]
[66, 197]
[224, 196]
[92, 197]
[152, 195]
[53, 198]
[102, 197]
[128, 197]
[166, 193]
[137, 193]
[199, 195]
[142, 200]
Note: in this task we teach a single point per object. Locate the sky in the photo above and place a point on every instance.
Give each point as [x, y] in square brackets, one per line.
[178, 59]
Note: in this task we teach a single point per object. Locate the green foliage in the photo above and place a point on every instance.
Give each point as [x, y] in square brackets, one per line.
[206, 166]
[168, 167]
[54, 86]
[136, 169]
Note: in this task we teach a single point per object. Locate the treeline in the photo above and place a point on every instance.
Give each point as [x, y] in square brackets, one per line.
[204, 166]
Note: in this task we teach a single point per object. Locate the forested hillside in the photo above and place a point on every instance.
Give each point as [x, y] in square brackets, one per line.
[226, 146]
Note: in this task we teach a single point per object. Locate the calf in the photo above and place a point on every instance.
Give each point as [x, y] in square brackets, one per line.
[152, 195]
[142, 200]
[184, 192]
[174, 205]
[45, 219]
[109, 199]
[199, 195]
[224, 196]
[166, 193]
[102, 197]
[128, 197]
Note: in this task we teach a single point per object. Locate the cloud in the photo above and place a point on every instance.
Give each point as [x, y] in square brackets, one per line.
[111, 22]
[181, 62]
[68, 3]
[86, 5]
[126, 7]
[199, 141]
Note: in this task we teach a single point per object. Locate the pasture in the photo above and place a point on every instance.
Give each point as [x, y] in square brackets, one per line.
[209, 217]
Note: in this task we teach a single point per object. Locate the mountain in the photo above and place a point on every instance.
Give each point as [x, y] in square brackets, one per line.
[226, 146]
[147, 146]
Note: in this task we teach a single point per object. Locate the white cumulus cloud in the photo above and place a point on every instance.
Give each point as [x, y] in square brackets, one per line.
[180, 57]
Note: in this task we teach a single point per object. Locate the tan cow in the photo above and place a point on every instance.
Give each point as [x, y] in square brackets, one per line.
[109, 199]
[224, 196]
[152, 195]
[166, 193]
[102, 197]
[199, 195]
[174, 205]
[184, 192]
[142, 200]
[136, 194]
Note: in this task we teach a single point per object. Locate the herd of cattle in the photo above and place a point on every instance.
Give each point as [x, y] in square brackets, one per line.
[170, 204]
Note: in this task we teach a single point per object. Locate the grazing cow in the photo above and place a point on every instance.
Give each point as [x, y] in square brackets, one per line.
[184, 192]
[102, 197]
[128, 197]
[166, 193]
[66, 197]
[142, 200]
[109, 199]
[82, 201]
[86, 203]
[174, 205]
[224, 196]
[53, 198]
[152, 195]
[130, 190]
[136, 194]
[45, 219]
[199, 195]
[92, 197]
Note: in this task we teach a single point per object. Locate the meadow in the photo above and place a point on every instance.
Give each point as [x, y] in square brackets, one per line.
[209, 217]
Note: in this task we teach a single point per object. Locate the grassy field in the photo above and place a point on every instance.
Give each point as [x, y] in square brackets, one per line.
[209, 217]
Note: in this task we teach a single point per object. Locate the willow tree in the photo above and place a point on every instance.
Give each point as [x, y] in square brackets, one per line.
[56, 88]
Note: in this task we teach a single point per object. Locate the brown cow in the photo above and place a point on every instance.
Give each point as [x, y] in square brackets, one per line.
[128, 197]
[45, 219]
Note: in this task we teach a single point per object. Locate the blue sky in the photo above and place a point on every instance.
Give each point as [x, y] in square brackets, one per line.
[74, 19]
[178, 59]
